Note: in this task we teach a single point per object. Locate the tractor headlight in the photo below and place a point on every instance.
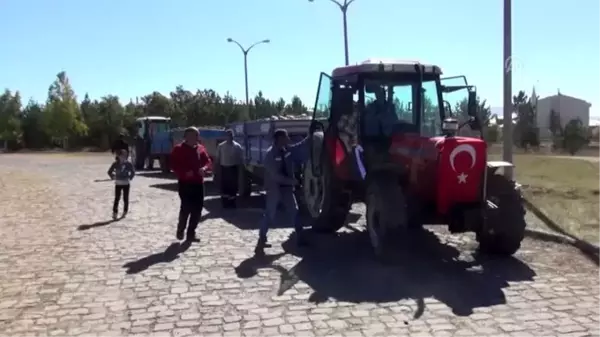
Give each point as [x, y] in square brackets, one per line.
[450, 125]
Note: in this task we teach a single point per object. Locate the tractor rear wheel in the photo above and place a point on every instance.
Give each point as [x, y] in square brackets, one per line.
[504, 228]
[386, 212]
[326, 203]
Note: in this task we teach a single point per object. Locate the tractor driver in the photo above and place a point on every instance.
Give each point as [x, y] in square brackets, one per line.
[380, 115]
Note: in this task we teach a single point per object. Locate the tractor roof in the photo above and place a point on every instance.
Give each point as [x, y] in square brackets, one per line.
[381, 65]
[154, 118]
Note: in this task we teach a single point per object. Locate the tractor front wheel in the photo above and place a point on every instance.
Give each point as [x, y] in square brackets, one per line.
[504, 227]
[386, 212]
[326, 203]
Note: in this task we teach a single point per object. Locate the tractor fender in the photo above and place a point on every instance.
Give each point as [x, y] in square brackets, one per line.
[493, 166]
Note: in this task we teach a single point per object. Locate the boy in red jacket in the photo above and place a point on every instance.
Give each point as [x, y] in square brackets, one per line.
[190, 162]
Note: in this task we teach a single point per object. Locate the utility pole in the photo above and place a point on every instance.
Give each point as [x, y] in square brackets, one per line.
[344, 8]
[507, 129]
[245, 52]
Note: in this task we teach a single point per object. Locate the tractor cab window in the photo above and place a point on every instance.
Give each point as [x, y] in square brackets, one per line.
[431, 119]
[159, 126]
[140, 128]
[387, 106]
[323, 102]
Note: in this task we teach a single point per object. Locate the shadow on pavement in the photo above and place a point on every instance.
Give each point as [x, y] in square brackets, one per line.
[98, 224]
[169, 255]
[157, 174]
[250, 266]
[589, 250]
[249, 212]
[210, 188]
[342, 268]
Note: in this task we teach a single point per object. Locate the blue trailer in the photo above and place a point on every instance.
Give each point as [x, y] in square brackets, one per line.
[162, 143]
[256, 137]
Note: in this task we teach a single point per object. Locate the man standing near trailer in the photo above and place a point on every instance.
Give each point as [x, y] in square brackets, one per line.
[279, 181]
[228, 165]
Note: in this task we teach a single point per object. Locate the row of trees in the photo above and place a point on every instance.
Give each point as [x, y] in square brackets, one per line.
[95, 123]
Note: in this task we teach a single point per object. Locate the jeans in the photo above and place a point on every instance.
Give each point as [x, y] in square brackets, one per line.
[190, 210]
[274, 196]
[121, 189]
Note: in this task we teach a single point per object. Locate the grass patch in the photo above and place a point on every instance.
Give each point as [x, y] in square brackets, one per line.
[565, 189]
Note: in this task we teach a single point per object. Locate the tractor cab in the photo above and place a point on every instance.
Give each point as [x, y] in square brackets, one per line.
[376, 115]
[146, 129]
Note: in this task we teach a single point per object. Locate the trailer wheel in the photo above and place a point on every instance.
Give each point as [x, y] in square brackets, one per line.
[163, 161]
[245, 183]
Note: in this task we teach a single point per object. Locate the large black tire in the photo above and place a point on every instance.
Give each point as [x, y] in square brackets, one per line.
[325, 201]
[164, 164]
[245, 182]
[137, 158]
[386, 212]
[504, 228]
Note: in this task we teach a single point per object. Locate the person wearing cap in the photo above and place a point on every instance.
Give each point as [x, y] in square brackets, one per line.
[190, 162]
[228, 162]
[118, 145]
[279, 163]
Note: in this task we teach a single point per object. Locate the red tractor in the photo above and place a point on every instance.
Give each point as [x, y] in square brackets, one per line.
[384, 133]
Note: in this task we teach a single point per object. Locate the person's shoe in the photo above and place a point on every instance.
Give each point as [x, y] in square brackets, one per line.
[179, 233]
[191, 238]
[115, 216]
[263, 243]
[124, 214]
[259, 251]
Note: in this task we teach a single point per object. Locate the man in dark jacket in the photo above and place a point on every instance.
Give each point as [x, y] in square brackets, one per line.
[279, 163]
[190, 162]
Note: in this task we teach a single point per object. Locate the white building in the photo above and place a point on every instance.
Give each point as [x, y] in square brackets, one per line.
[569, 108]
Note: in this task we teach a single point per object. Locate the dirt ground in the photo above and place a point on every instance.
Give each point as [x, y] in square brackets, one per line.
[67, 269]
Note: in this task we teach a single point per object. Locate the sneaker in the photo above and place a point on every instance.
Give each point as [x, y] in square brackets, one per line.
[179, 234]
[263, 243]
[192, 238]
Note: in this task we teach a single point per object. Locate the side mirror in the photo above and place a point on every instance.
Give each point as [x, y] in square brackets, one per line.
[315, 126]
[472, 104]
[447, 108]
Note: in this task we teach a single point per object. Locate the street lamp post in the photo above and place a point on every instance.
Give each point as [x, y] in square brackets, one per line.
[507, 129]
[344, 8]
[245, 52]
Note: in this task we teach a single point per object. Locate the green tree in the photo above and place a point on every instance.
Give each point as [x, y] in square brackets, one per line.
[10, 122]
[33, 123]
[526, 132]
[574, 136]
[62, 111]
[96, 122]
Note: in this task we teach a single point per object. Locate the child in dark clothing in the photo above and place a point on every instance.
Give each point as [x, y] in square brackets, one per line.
[122, 172]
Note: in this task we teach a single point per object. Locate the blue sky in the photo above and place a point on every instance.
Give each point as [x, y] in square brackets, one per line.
[133, 47]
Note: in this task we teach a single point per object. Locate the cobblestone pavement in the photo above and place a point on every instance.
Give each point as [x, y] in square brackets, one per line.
[65, 270]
